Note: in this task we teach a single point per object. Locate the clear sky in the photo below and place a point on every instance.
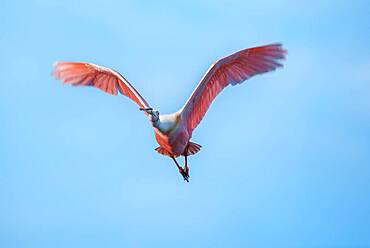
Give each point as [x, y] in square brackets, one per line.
[285, 159]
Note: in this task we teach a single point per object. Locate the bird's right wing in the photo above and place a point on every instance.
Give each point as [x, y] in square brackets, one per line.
[233, 69]
[88, 74]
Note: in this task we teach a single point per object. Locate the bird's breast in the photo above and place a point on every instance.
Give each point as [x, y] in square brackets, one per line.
[172, 137]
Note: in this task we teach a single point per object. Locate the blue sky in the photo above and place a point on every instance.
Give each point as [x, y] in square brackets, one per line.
[285, 159]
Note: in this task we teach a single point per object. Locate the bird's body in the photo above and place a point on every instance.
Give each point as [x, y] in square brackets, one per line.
[171, 134]
[174, 131]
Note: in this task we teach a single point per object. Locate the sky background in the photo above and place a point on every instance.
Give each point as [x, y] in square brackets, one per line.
[285, 159]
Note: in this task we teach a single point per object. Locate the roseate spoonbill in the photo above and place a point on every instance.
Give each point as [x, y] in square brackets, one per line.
[173, 131]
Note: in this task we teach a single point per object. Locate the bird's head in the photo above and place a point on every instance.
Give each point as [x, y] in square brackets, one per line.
[153, 115]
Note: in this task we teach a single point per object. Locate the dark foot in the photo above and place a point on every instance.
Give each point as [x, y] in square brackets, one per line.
[184, 174]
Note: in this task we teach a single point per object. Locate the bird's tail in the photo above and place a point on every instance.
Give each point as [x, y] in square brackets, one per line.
[192, 148]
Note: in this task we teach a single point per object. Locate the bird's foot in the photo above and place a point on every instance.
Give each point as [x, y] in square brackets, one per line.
[184, 173]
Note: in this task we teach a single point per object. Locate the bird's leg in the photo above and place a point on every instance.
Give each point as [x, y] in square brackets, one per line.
[186, 169]
[181, 170]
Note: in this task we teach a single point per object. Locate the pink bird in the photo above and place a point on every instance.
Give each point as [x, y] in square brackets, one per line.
[174, 131]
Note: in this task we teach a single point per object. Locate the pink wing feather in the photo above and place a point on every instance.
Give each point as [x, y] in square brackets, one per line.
[232, 69]
[88, 74]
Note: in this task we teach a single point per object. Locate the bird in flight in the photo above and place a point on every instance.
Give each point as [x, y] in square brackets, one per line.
[174, 131]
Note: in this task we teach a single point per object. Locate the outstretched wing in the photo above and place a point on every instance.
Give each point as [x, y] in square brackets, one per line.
[232, 69]
[88, 74]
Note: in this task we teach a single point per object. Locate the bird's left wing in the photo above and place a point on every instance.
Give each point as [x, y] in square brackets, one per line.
[232, 69]
[88, 74]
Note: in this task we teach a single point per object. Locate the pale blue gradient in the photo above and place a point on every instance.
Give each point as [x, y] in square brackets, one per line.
[285, 159]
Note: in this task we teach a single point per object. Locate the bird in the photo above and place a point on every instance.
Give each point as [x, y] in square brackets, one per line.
[173, 132]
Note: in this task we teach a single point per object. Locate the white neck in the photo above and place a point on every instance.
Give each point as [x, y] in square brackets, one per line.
[166, 123]
[156, 123]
